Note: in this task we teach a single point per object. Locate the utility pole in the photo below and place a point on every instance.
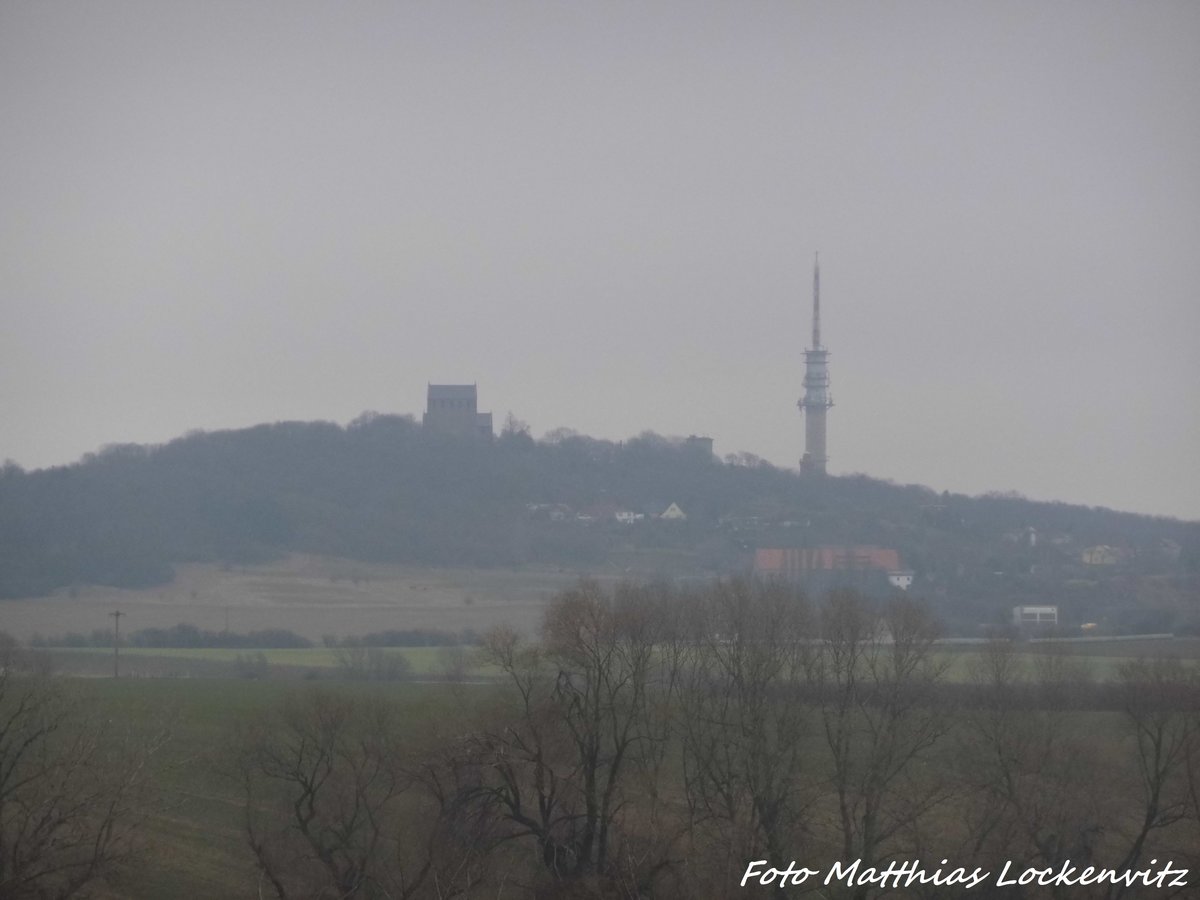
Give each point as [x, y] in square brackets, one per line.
[116, 615]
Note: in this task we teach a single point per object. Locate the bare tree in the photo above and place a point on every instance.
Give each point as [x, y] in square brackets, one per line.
[336, 808]
[744, 721]
[557, 768]
[1027, 775]
[1160, 698]
[73, 791]
[1033, 758]
[875, 672]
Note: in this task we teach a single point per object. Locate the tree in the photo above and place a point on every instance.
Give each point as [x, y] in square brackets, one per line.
[1027, 777]
[364, 663]
[337, 807]
[515, 429]
[73, 791]
[875, 673]
[1159, 698]
[744, 721]
[557, 768]
[1032, 760]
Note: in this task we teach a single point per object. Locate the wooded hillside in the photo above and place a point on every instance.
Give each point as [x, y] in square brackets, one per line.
[381, 489]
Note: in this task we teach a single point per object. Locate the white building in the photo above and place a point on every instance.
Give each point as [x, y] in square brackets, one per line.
[673, 512]
[1035, 615]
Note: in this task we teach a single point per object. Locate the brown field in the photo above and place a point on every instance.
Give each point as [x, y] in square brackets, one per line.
[312, 596]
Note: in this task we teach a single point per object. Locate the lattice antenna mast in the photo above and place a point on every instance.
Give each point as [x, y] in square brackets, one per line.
[817, 398]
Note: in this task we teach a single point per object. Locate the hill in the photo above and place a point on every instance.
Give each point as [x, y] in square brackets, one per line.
[382, 490]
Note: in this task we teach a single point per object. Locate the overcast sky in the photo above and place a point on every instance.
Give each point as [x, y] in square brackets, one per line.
[219, 214]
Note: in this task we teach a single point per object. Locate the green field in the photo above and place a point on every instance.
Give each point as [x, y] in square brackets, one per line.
[193, 844]
[425, 662]
[1099, 660]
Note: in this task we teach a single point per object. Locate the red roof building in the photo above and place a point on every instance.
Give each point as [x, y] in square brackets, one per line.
[797, 562]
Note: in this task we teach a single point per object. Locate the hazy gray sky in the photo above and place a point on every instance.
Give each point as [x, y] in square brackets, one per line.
[217, 214]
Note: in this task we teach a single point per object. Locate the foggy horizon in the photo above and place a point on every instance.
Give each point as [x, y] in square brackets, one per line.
[606, 217]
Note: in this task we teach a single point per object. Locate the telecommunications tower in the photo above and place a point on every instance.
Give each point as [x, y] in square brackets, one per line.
[817, 399]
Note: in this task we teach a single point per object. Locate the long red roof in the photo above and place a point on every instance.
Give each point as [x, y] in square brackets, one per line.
[796, 561]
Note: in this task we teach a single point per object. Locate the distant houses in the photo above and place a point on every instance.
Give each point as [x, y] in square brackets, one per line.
[1102, 555]
[604, 512]
[1026, 536]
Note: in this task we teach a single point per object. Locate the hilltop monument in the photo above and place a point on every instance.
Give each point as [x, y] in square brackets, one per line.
[452, 409]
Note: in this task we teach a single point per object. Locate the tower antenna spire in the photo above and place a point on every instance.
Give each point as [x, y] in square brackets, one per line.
[817, 399]
[816, 340]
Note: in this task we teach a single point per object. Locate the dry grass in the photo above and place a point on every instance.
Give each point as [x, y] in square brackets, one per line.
[312, 596]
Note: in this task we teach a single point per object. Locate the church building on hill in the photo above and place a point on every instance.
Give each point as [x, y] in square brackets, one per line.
[453, 409]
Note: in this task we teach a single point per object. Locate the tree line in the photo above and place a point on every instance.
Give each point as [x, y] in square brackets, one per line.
[185, 635]
[655, 742]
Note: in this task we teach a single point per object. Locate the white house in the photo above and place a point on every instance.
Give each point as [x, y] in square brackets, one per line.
[673, 513]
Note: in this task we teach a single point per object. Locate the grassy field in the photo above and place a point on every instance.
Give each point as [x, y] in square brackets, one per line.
[318, 662]
[193, 843]
[1099, 660]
